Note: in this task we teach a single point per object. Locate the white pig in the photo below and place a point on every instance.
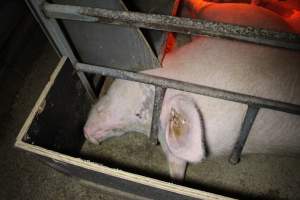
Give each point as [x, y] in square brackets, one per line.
[193, 126]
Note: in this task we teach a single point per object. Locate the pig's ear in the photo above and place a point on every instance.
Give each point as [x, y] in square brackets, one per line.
[184, 129]
[177, 167]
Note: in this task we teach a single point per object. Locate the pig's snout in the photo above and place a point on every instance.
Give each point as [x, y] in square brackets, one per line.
[89, 134]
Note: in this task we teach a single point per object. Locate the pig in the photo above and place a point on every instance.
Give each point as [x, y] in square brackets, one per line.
[284, 8]
[288, 9]
[294, 21]
[258, 17]
[194, 127]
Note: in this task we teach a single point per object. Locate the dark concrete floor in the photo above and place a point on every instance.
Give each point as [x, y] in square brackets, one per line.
[21, 175]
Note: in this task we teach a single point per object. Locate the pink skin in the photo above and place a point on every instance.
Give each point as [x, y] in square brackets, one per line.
[112, 117]
[189, 146]
[109, 118]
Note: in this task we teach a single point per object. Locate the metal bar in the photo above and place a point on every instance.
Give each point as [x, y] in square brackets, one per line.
[36, 15]
[158, 100]
[190, 87]
[244, 132]
[53, 31]
[174, 24]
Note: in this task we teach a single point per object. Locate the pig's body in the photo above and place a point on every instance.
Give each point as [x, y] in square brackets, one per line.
[207, 123]
[248, 69]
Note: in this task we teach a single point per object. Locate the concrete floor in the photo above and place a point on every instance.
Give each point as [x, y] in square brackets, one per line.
[256, 176]
[22, 176]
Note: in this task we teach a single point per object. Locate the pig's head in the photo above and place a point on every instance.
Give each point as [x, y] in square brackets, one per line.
[127, 107]
[182, 132]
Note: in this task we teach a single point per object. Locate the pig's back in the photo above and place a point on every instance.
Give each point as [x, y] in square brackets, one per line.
[235, 66]
[245, 68]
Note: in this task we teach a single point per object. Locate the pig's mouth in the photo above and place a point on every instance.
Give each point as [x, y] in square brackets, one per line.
[96, 138]
[102, 135]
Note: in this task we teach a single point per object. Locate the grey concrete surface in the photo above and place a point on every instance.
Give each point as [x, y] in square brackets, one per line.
[22, 176]
[255, 177]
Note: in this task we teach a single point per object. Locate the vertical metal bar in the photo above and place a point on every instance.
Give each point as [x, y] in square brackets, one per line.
[244, 132]
[57, 38]
[158, 100]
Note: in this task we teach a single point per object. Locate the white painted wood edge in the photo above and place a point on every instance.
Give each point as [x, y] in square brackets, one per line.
[41, 99]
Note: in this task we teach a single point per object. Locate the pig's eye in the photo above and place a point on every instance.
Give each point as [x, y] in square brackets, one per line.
[138, 115]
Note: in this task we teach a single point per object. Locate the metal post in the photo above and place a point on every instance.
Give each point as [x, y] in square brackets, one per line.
[57, 38]
[158, 101]
[174, 24]
[244, 132]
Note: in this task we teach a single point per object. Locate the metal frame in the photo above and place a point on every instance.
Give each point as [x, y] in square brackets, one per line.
[172, 24]
[58, 40]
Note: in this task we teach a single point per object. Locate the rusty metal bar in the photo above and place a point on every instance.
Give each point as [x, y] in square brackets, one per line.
[190, 87]
[174, 24]
[244, 132]
[158, 101]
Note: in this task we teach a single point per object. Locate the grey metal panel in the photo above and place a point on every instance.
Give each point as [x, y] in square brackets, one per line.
[109, 45]
[156, 38]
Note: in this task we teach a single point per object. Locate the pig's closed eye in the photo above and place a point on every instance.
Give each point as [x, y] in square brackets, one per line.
[138, 115]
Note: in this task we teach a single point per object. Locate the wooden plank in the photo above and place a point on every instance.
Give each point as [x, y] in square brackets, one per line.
[58, 157]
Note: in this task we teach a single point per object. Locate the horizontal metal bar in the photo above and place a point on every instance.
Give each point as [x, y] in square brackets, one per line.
[174, 24]
[158, 101]
[190, 87]
[244, 133]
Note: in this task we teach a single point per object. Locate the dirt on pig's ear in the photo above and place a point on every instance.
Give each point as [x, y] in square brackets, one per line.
[178, 125]
[184, 129]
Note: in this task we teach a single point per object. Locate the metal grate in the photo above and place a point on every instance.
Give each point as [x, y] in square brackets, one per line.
[47, 13]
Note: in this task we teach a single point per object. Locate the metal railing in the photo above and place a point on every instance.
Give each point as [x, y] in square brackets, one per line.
[47, 13]
[173, 24]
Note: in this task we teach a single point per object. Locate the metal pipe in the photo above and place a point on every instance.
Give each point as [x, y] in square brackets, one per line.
[174, 24]
[190, 87]
[244, 133]
[158, 101]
